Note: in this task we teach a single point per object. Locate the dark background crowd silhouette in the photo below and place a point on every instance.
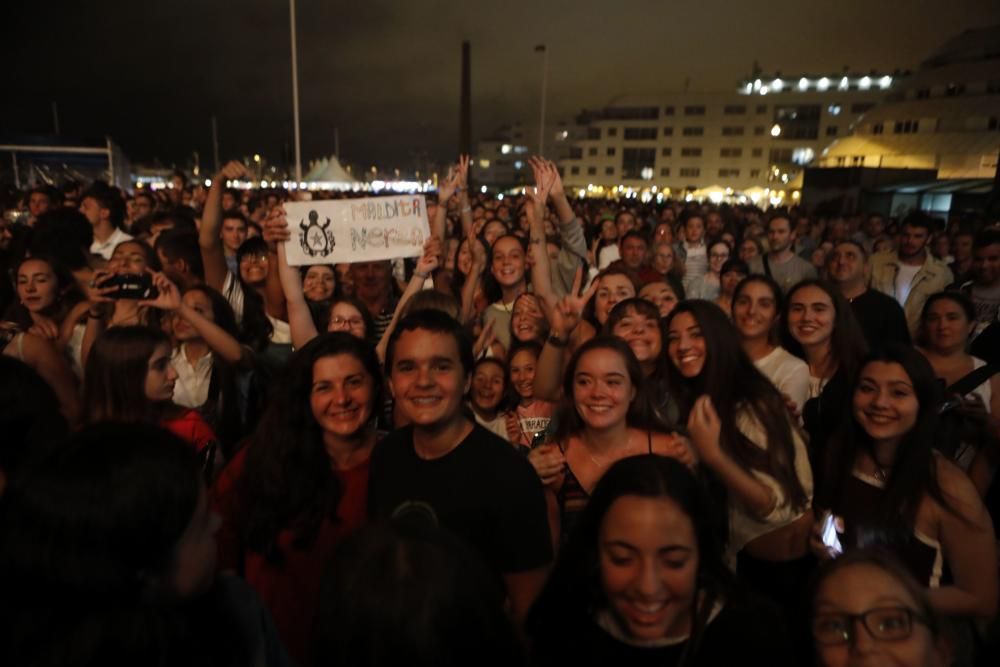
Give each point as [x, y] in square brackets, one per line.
[571, 431]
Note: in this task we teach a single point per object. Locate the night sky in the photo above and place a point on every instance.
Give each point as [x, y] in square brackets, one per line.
[150, 74]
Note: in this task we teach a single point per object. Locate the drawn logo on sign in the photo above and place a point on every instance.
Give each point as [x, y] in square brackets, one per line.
[316, 239]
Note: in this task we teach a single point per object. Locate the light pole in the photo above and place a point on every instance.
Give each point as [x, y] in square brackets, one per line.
[545, 75]
[295, 96]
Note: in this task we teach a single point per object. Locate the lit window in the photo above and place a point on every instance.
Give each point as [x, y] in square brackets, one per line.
[485, 164]
[803, 155]
[833, 109]
[505, 149]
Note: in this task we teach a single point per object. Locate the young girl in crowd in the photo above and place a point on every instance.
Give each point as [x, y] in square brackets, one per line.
[529, 416]
[887, 485]
[867, 607]
[606, 417]
[733, 271]
[756, 312]
[637, 322]
[527, 321]
[487, 395]
[51, 306]
[319, 284]
[129, 378]
[707, 285]
[300, 486]
[745, 437]
[819, 327]
[946, 323]
[664, 294]
[107, 557]
[642, 581]
[507, 280]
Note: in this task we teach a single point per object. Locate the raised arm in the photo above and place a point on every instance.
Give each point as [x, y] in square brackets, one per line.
[472, 280]
[534, 209]
[169, 300]
[564, 317]
[212, 254]
[48, 362]
[573, 247]
[446, 189]
[300, 319]
[426, 265]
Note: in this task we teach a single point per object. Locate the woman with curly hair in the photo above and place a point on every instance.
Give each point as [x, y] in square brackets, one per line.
[301, 484]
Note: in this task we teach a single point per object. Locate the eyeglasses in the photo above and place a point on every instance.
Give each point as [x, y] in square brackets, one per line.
[351, 322]
[887, 624]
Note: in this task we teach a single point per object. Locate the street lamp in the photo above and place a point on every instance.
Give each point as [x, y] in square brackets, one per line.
[775, 130]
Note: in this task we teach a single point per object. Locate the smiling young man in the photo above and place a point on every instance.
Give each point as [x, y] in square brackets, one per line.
[446, 469]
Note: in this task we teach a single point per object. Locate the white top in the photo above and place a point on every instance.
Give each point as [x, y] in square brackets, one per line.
[607, 254]
[281, 332]
[191, 388]
[74, 350]
[744, 527]
[233, 291]
[497, 425]
[788, 373]
[695, 262]
[985, 390]
[904, 281]
[106, 248]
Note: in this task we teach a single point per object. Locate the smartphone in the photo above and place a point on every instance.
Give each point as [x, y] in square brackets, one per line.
[131, 286]
[830, 536]
[538, 439]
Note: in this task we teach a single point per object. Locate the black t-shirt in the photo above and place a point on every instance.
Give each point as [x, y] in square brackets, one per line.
[881, 318]
[738, 635]
[482, 491]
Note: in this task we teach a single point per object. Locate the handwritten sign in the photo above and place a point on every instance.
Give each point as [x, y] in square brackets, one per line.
[356, 230]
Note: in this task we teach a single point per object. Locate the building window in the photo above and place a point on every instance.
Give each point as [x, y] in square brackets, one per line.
[575, 153]
[993, 123]
[664, 171]
[694, 110]
[755, 173]
[592, 151]
[591, 171]
[668, 131]
[609, 171]
[758, 131]
[638, 133]
[878, 128]
[610, 152]
[638, 162]
[690, 152]
[803, 156]
[780, 156]
[861, 107]
[693, 131]
[575, 171]
[954, 89]
[992, 87]
[761, 109]
[729, 173]
[905, 127]
[593, 133]
[734, 109]
[666, 152]
[732, 130]
[731, 152]
[831, 131]
[690, 172]
[668, 111]
[923, 93]
[757, 152]
[612, 131]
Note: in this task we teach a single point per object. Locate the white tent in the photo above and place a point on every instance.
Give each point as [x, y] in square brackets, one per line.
[316, 168]
[333, 172]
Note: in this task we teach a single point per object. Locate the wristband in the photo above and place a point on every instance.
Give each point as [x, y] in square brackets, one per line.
[421, 274]
[555, 341]
[467, 209]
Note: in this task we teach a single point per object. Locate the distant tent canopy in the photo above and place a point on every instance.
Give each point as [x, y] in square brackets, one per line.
[330, 173]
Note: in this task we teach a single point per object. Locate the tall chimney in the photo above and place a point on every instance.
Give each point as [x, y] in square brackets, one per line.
[465, 113]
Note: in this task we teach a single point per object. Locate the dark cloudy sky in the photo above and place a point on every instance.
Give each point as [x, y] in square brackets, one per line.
[150, 74]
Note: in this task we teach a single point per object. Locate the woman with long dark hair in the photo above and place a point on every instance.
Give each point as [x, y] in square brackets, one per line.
[301, 483]
[642, 580]
[887, 485]
[129, 378]
[107, 557]
[637, 322]
[747, 441]
[607, 416]
[819, 327]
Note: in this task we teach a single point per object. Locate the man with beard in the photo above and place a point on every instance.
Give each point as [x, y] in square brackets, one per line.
[910, 273]
[880, 317]
[781, 263]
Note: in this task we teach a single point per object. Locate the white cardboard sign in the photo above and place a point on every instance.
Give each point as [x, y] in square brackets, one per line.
[356, 230]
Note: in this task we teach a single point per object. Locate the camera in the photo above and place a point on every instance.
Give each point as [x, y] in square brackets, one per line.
[130, 286]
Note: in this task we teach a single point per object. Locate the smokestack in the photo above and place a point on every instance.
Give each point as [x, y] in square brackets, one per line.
[465, 113]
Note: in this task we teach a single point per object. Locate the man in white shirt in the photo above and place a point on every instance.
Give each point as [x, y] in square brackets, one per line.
[692, 250]
[104, 209]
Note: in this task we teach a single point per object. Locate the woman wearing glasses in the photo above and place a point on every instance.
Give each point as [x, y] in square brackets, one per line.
[885, 480]
[866, 609]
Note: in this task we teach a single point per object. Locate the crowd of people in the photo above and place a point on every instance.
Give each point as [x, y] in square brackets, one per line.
[572, 431]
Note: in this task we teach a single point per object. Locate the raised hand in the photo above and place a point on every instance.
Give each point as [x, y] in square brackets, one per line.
[556, 187]
[486, 338]
[168, 297]
[96, 293]
[234, 170]
[449, 186]
[543, 180]
[462, 170]
[431, 257]
[276, 226]
[705, 429]
[565, 314]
